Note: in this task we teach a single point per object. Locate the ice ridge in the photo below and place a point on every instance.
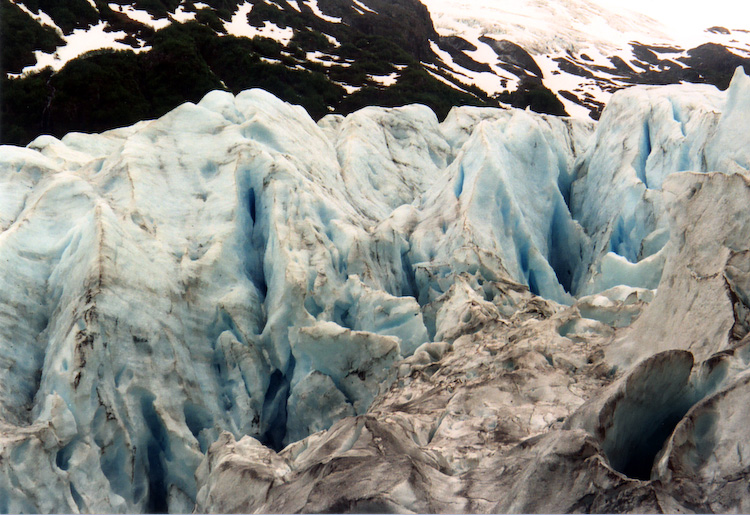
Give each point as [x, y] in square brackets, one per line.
[235, 267]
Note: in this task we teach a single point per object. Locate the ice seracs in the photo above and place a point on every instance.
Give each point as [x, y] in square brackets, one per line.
[661, 131]
[504, 204]
[234, 300]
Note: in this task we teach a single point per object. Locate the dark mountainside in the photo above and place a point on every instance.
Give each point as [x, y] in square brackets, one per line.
[105, 89]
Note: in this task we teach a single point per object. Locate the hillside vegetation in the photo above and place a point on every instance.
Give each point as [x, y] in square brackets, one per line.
[107, 88]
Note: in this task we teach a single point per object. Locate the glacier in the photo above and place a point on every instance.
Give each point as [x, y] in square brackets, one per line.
[234, 308]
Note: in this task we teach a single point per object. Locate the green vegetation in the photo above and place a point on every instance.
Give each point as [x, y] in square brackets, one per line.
[375, 49]
[24, 103]
[376, 55]
[267, 12]
[210, 18]
[535, 95]
[311, 40]
[403, 23]
[223, 8]
[174, 71]
[98, 92]
[20, 35]
[68, 15]
[118, 21]
[414, 86]
[237, 61]
[157, 8]
[106, 89]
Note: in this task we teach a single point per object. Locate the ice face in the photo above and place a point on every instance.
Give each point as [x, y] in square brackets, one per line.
[191, 275]
[646, 135]
[235, 267]
[702, 309]
[502, 201]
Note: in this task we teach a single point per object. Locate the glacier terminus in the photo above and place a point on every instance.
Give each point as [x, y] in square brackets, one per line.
[233, 308]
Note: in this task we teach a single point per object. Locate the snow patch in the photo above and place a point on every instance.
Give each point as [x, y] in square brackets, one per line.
[313, 5]
[385, 80]
[364, 7]
[140, 16]
[431, 69]
[492, 83]
[335, 42]
[348, 87]
[182, 16]
[240, 26]
[321, 58]
[79, 42]
[41, 17]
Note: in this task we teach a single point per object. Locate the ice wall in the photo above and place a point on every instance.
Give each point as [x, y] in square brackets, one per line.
[234, 266]
[645, 135]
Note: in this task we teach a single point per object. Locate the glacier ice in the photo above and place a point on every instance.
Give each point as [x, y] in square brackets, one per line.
[234, 291]
[703, 309]
[707, 450]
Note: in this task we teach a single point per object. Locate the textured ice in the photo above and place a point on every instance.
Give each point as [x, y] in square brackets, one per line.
[645, 135]
[501, 209]
[703, 309]
[234, 274]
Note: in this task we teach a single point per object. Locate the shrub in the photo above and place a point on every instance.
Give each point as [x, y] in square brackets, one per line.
[311, 40]
[97, 92]
[535, 95]
[20, 35]
[174, 71]
[68, 15]
[23, 107]
[209, 18]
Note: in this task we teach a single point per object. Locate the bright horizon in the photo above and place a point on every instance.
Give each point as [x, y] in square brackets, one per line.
[688, 16]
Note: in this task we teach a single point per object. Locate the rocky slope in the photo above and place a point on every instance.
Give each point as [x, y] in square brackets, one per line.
[141, 59]
[583, 50]
[235, 308]
[88, 65]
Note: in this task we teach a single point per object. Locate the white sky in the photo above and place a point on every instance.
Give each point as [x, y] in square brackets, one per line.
[690, 15]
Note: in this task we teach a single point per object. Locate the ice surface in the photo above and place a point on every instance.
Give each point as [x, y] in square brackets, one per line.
[224, 240]
[635, 415]
[729, 149]
[645, 134]
[702, 310]
[502, 208]
[234, 273]
[708, 449]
